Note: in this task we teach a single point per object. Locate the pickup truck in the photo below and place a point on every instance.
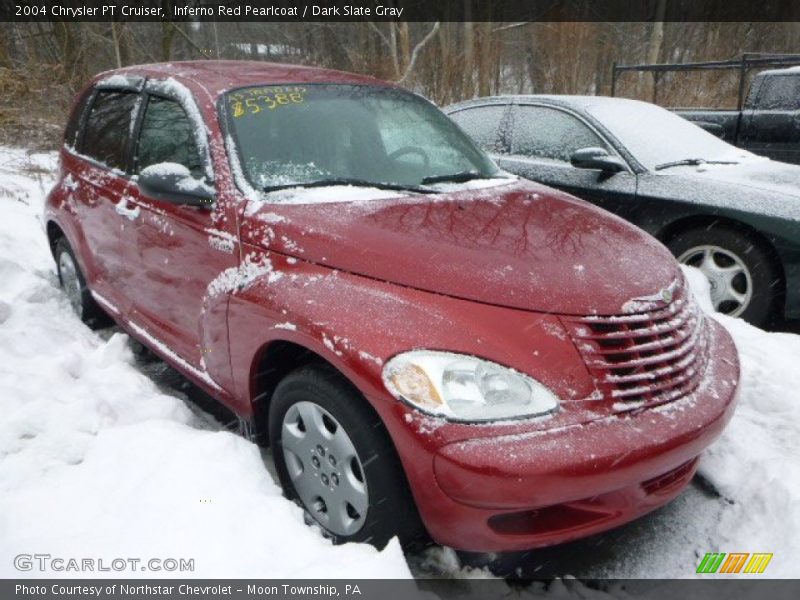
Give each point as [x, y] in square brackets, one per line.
[769, 122]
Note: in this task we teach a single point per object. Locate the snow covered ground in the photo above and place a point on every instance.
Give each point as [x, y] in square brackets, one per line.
[97, 460]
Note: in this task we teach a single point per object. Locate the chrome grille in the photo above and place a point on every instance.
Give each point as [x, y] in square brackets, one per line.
[647, 357]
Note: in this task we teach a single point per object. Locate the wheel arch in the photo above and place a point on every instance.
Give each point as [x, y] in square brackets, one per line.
[273, 361]
[278, 358]
[707, 221]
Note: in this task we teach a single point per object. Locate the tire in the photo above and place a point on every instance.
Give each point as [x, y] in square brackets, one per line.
[142, 353]
[735, 264]
[357, 493]
[73, 284]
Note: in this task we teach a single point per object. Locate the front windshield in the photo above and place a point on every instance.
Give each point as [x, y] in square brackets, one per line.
[656, 136]
[301, 134]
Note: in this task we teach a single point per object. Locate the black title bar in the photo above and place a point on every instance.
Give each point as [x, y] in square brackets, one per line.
[510, 11]
[745, 588]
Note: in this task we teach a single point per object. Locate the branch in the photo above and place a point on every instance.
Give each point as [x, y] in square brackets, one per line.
[382, 35]
[417, 49]
[188, 39]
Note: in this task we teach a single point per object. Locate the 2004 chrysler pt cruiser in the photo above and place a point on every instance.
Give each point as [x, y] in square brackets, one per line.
[425, 340]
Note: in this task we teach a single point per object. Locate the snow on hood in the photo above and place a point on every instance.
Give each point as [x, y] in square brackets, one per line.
[522, 245]
[759, 186]
[350, 193]
[765, 174]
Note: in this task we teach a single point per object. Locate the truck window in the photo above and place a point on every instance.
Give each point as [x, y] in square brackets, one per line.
[167, 135]
[780, 92]
[105, 137]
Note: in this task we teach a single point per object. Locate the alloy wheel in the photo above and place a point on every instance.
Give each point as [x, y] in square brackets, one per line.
[730, 279]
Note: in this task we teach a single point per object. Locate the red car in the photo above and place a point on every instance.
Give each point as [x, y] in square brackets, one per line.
[424, 339]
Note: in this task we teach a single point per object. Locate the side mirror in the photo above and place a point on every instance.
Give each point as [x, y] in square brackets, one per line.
[171, 182]
[596, 158]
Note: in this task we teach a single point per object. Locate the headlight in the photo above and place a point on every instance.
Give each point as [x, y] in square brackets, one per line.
[465, 388]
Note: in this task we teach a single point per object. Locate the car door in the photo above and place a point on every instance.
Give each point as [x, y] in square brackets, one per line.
[100, 180]
[772, 127]
[542, 139]
[180, 249]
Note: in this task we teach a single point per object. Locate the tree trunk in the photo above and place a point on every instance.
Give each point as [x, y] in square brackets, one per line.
[467, 78]
[654, 45]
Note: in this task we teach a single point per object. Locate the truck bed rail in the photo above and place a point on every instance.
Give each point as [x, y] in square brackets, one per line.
[748, 60]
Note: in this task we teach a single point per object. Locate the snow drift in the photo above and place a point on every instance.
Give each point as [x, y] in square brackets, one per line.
[97, 462]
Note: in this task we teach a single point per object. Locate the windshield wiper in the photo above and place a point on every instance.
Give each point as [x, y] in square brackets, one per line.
[691, 162]
[350, 181]
[460, 177]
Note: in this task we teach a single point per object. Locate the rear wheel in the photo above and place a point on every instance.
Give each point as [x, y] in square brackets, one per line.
[73, 284]
[742, 274]
[335, 459]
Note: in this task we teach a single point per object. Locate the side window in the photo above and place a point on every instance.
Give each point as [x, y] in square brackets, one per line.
[167, 135]
[542, 132]
[780, 92]
[108, 127]
[71, 131]
[484, 125]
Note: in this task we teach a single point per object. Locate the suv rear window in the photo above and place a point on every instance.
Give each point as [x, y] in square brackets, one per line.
[108, 128]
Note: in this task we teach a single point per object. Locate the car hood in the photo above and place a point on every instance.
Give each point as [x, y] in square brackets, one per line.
[519, 245]
[757, 173]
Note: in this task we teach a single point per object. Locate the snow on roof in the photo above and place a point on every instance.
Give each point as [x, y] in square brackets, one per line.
[218, 76]
[783, 71]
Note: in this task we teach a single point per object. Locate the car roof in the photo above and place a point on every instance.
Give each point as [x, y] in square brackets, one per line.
[218, 76]
[578, 103]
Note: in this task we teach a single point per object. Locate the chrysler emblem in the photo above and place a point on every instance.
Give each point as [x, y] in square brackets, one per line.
[665, 295]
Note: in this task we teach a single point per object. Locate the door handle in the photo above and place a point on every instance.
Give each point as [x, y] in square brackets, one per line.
[122, 209]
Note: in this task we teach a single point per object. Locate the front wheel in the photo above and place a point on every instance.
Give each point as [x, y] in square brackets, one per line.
[743, 277]
[335, 459]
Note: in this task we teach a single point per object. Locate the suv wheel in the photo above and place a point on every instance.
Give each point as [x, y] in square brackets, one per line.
[74, 286]
[334, 458]
[744, 280]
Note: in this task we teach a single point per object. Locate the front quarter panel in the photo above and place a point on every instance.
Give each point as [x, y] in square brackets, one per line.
[357, 323]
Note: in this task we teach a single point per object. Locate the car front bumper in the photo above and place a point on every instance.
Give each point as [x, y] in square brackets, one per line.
[522, 491]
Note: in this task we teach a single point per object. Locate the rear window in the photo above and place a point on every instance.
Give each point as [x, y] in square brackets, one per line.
[108, 128]
[780, 92]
